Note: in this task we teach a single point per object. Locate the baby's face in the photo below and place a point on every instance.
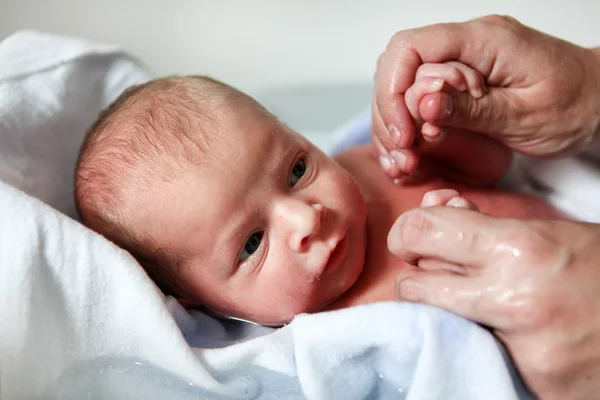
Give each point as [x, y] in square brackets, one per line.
[269, 226]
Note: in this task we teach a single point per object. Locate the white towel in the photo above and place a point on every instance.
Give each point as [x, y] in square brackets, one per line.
[51, 90]
[82, 320]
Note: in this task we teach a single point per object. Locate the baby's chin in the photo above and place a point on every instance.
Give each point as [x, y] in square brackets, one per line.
[285, 317]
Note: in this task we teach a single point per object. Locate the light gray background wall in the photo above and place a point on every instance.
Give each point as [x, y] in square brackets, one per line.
[264, 43]
[266, 46]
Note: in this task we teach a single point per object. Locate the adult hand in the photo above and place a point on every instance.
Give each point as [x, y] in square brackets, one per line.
[543, 99]
[536, 284]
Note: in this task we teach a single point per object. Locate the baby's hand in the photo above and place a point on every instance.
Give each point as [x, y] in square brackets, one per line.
[447, 197]
[432, 78]
[439, 197]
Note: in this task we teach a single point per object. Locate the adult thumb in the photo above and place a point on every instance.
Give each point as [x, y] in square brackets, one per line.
[488, 114]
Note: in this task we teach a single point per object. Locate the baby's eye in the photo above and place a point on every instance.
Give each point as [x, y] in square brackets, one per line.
[298, 171]
[251, 245]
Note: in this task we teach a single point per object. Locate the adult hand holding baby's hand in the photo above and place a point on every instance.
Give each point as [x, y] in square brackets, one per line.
[535, 283]
[543, 97]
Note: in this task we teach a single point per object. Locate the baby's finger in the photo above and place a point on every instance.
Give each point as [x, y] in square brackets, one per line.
[461, 202]
[395, 161]
[431, 133]
[385, 160]
[475, 82]
[438, 197]
[446, 72]
[418, 91]
[396, 128]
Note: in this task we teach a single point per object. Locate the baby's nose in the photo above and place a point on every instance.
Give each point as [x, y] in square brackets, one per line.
[307, 224]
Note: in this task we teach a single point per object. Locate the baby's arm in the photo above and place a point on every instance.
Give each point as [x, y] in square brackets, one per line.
[455, 154]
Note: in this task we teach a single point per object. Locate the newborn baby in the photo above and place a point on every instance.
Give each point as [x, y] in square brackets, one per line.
[227, 208]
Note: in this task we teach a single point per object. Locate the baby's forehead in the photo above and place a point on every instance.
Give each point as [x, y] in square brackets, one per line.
[214, 132]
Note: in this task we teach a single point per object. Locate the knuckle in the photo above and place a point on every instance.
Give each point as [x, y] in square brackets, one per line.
[455, 73]
[535, 251]
[540, 246]
[400, 39]
[469, 109]
[500, 19]
[475, 110]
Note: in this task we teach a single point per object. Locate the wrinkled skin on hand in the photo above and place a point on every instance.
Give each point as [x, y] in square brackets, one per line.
[536, 284]
[543, 92]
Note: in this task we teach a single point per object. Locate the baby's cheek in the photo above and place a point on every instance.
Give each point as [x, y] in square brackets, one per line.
[291, 294]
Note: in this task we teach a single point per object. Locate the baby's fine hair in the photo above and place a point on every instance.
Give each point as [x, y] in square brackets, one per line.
[147, 135]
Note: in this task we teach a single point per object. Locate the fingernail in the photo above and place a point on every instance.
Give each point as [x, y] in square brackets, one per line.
[394, 133]
[386, 162]
[400, 158]
[410, 290]
[477, 93]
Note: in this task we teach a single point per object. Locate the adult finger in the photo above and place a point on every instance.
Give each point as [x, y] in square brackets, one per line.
[489, 114]
[397, 129]
[456, 235]
[397, 68]
[477, 43]
[460, 294]
[394, 161]
[388, 164]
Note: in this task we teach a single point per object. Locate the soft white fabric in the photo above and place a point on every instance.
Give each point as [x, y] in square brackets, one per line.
[82, 320]
[571, 184]
[79, 317]
[51, 90]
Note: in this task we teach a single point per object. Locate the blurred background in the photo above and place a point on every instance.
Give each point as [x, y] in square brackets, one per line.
[311, 62]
